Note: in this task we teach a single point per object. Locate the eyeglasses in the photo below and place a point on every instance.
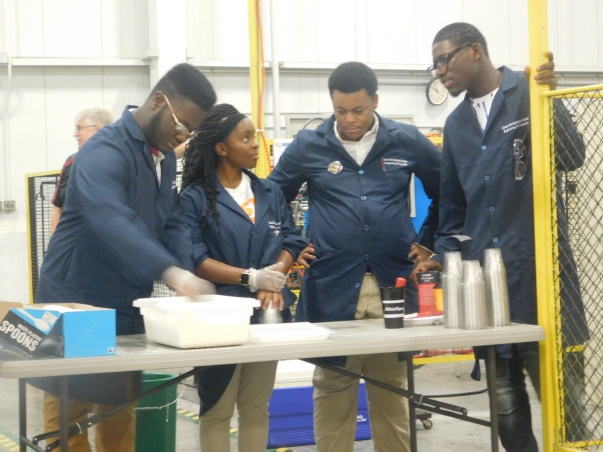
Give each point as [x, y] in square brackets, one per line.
[80, 128]
[442, 62]
[181, 129]
[519, 151]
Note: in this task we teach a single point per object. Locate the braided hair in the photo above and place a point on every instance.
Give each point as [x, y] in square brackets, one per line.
[200, 158]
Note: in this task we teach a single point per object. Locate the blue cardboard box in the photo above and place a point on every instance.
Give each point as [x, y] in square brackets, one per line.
[65, 329]
[291, 420]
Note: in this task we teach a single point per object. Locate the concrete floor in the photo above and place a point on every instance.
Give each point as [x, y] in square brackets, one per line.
[447, 434]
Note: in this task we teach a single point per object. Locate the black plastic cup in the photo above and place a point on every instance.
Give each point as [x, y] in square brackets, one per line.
[393, 306]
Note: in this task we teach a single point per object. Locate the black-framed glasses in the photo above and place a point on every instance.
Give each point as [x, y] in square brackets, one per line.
[442, 62]
[519, 151]
[181, 129]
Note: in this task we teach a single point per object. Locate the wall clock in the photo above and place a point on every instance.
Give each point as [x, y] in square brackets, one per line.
[436, 92]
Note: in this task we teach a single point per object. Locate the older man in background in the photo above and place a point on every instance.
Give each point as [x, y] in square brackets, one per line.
[87, 123]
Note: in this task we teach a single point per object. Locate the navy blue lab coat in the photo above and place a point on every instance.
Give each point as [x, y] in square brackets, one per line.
[480, 197]
[239, 242]
[119, 229]
[359, 217]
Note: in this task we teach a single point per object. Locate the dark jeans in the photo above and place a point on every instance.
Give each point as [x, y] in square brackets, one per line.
[514, 414]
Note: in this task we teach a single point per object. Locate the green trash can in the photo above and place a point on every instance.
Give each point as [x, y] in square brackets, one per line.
[156, 415]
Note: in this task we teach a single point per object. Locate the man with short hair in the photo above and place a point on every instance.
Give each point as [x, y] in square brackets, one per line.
[486, 194]
[87, 123]
[122, 229]
[358, 169]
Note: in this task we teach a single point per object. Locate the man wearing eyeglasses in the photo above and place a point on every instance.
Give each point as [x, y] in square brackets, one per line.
[122, 229]
[486, 194]
[87, 123]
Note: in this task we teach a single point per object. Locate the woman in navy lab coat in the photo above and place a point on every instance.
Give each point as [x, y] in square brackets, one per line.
[244, 241]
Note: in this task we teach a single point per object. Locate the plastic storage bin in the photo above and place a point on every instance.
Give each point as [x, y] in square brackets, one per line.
[209, 321]
[291, 417]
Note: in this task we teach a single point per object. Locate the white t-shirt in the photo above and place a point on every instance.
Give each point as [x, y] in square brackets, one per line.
[360, 149]
[481, 107]
[244, 197]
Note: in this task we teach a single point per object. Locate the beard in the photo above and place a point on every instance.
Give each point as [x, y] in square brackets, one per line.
[152, 134]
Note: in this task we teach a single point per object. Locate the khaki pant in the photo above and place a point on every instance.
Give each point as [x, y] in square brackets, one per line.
[336, 395]
[114, 434]
[249, 389]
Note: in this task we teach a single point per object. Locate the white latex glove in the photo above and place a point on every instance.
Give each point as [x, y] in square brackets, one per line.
[185, 283]
[267, 278]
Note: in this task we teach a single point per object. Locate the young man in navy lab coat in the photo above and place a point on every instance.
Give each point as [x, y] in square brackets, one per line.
[122, 229]
[358, 166]
[487, 195]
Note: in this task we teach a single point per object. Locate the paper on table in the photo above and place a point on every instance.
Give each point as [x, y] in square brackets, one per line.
[287, 332]
[413, 319]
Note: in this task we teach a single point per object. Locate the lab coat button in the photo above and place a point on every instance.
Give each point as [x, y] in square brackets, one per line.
[366, 227]
[363, 198]
[367, 256]
[491, 209]
[487, 178]
[484, 148]
[357, 285]
[361, 172]
[495, 240]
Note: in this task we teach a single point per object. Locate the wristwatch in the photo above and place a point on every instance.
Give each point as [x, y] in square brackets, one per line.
[245, 278]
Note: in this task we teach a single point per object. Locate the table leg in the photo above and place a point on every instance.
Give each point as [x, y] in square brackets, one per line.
[411, 402]
[64, 418]
[491, 380]
[22, 414]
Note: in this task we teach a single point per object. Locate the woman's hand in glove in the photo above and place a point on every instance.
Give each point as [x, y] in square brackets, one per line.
[268, 278]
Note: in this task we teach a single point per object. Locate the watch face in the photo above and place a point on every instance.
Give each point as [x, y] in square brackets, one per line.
[436, 92]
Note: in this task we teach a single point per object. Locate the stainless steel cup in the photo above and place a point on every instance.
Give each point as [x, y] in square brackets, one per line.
[473, 296]
[270, 315]
[453, 308]
[453, 262]
[495, 281]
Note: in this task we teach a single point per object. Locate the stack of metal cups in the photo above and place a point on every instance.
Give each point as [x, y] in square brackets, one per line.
[451, 283]
[497, 296]
[473, 296]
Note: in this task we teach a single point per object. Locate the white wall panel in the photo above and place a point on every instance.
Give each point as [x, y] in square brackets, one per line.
[30, 28]
[584, 44]
[233, 88]
[518, 36]
[72, 28]
[230, 30]
[123, 86]
[200, 30]
[392, 35]
[124, 28]
[13, 262]
[335, 31]
[28, 121]
[301, 93]
[298, 34]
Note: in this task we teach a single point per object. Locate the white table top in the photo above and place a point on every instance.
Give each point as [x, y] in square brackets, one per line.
[348, 338]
